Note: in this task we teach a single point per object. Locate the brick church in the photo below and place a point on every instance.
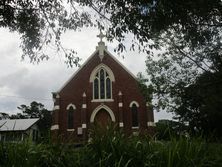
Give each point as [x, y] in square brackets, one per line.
[101, 91]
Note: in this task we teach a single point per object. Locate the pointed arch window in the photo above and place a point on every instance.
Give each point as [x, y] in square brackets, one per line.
[70, 116]
[134, 111]
[102, 85]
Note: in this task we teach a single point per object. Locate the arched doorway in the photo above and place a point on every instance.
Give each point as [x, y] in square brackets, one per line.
[102, 118]
[103, 115]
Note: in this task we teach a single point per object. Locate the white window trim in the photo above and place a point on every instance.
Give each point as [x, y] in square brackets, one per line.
[97, 68]
[71, 105]
[70, 130]
[137, 105]
[110, 76]
[102, 100]
[111, 87]
[134, 102]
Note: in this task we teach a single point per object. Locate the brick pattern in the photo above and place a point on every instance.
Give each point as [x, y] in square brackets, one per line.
[79, 84]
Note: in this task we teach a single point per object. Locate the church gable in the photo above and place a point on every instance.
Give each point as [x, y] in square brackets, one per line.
[102, 90]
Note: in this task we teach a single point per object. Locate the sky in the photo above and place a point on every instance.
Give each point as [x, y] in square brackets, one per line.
[22, 82]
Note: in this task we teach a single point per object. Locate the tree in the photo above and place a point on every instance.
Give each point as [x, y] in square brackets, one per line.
[146, 90]
[168, 129]
[4, 116]
[201, 105]
[37, 110]
[42, 22]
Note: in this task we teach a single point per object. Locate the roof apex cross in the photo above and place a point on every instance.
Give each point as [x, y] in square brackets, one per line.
[101, 35]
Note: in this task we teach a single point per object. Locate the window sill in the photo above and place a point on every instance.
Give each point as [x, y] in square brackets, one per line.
[102, 100]
[135, 127]
[70, 130]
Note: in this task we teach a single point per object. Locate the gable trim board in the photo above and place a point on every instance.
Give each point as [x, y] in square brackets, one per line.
[109, 54]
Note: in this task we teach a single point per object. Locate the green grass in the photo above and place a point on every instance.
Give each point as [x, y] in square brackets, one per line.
[114, 149]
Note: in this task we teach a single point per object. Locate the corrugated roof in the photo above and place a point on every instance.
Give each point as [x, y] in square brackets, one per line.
[17, 124]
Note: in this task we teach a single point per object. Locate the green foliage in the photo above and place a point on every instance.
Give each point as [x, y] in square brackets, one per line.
[145, 89]
[36, 110]
[201, 105]
[114, 149]
[168, 129]
[41, 24]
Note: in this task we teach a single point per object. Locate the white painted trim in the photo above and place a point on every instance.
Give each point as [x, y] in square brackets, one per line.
[120, 93]
[110, 77]
[57, 96]
[151, 124]
[56, 107]
[71, 105]
[120, 104]
[55, 127]
[121, 124]
[84, 106]
[99, 67]
[134, 102]
[83, 126]
[70, 130]
[84, 94]
[135, 127]
[96, 110]
[102, 100]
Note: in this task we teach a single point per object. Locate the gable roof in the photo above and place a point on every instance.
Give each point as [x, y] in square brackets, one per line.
[94, 53]
[17, 124]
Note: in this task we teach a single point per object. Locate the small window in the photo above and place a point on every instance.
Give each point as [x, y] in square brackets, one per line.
[134, 111]
[70, 114]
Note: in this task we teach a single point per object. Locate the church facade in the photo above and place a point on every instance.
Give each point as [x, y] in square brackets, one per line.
[100, 92]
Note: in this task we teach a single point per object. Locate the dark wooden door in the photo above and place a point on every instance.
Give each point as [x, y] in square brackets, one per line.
[102, 118]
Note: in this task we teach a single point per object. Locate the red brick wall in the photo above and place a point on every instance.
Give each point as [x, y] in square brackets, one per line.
[124, 82]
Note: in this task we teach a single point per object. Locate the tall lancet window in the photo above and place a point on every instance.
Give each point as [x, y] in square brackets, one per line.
[102, 85]
[70, 116]
[134, 111]
[102, 79]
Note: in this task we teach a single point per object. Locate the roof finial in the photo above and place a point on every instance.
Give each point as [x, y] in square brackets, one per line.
[101, 35]
[101, 45]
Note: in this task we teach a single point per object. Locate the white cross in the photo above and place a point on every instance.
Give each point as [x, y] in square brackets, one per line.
[101, 36]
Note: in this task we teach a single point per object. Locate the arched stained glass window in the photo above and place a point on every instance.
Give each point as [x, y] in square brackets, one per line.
[96, 88]
[102, 85]
[134, 111]
[108, 88]
[70, 114]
